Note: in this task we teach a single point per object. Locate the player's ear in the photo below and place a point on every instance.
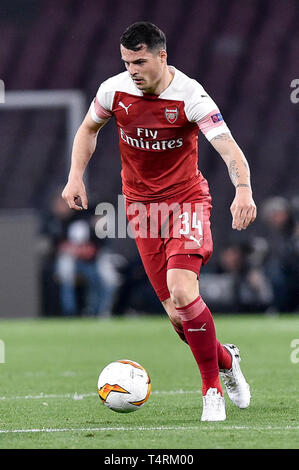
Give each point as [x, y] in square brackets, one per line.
[163, 55]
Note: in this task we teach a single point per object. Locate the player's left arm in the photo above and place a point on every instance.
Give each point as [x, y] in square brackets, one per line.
[243, 208]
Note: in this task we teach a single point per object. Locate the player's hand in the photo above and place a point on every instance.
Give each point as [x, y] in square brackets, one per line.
[74, 194]
[243, 209]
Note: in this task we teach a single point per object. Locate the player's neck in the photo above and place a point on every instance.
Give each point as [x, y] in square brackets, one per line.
[164, 83]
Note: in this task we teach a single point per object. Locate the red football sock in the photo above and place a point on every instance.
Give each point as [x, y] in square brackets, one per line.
[199, 330]
[224, 357]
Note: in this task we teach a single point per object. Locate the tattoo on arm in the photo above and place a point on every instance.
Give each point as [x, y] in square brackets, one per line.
[233, 172]
[235, 168]
[223, 136]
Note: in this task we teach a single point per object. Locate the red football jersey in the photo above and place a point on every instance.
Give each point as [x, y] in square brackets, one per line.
[158, 135]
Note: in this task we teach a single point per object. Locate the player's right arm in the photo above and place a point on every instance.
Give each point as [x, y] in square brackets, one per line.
[83, 148]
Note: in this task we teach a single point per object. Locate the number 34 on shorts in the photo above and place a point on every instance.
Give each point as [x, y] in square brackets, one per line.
[189, 224]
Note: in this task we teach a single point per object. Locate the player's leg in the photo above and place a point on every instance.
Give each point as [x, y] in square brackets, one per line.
[174, 318]
[170, 307]
[224, 357]
[228, 356]
[189, 246]
[193, 262]
[197, 324]
[157, 257]
[199, 330]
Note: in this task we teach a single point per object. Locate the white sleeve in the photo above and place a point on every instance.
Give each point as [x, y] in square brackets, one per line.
[101, 106]
[200, 108]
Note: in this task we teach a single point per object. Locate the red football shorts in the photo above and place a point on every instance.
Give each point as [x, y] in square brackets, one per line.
[179, 225]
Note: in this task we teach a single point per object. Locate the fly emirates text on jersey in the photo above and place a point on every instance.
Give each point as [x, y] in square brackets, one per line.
[153, 144]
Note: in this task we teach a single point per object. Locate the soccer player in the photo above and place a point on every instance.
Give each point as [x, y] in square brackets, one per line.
[159, 111]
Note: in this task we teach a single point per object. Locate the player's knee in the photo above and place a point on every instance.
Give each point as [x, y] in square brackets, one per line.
[183, 287]
[179, 294]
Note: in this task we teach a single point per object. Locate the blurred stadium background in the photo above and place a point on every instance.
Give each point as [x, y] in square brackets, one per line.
[246, 54]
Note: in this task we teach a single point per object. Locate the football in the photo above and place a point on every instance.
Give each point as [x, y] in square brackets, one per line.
[124, 386]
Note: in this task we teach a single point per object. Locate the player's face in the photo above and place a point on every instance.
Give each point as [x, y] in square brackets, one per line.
[146, 68]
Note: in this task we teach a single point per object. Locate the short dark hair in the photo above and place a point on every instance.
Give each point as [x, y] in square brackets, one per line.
[143, 32]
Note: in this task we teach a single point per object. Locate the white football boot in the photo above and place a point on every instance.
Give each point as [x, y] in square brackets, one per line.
[213, 406]
[236, 386]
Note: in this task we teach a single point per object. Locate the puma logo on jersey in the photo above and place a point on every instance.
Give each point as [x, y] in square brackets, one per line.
[126, 108]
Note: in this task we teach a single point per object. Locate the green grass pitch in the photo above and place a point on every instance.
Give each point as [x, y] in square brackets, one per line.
[48, 385]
